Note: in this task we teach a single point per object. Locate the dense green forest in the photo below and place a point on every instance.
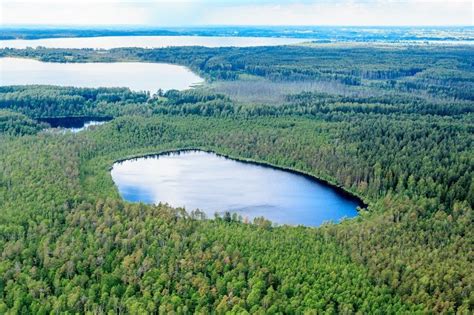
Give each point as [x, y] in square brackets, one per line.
[393, 126]
[423, 71]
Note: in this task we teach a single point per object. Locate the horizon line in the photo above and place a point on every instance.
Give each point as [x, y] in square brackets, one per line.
[222, 25]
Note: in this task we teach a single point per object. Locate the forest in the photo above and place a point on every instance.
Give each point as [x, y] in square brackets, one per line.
[391, 125]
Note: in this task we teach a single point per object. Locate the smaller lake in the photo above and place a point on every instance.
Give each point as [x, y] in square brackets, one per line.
[75, 124]
[138, 76]
[109, 42]
[212, 183]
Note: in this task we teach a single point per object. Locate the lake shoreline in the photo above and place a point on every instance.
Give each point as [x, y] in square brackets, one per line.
[362, 203]
[137, 76]
[148, 41]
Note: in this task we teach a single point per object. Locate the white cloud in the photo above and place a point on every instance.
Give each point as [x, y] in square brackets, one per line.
[233, 12]
[52, 12]
[349, 13]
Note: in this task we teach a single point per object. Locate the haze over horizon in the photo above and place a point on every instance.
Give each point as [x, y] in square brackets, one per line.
[181, 13]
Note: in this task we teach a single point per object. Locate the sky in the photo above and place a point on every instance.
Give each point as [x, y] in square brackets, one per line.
[237, 12]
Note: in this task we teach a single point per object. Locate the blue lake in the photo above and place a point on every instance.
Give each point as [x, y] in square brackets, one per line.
[109, 42]
[75, 124]
[213, 183]
[138, 76]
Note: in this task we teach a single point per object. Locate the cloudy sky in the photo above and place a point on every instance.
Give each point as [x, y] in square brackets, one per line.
[237, 12]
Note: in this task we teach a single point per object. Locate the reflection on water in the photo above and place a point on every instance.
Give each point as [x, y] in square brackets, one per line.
[87, 125]
[138, 76]
[108, 42]
[212, 183]
[75, 124]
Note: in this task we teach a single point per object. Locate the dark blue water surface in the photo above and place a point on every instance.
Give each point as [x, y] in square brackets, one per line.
[75, 124]
[212, 183]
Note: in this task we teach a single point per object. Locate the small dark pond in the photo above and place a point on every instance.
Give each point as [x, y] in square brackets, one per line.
[213, 183]
[75, 124]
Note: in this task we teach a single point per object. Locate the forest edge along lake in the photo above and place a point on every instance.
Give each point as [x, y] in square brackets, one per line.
[194, 178]
[75, 123]
[137, 76]
[111, 42]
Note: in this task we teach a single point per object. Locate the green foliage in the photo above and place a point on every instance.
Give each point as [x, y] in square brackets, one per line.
[70, 244]
[16, 124]
[429, 71]
[51, 101]
[385, 243]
